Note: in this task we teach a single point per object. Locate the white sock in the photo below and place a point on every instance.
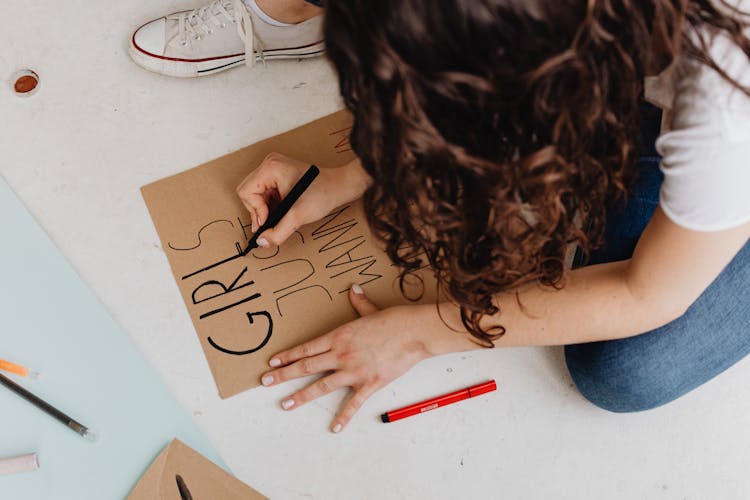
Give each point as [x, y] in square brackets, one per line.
[265, 17]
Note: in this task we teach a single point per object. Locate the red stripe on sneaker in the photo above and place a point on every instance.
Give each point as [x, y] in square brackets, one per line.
[294, 48]
[207, 58]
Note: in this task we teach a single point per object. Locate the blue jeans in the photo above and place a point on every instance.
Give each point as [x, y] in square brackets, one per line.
[654, 368]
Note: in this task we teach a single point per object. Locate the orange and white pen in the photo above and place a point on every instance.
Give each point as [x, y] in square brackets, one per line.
[17, 369]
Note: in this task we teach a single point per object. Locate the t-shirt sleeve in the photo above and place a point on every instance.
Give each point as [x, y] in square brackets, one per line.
[706, 153]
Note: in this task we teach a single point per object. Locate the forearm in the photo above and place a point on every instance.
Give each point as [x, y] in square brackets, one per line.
[352, 180]
[670, 268]
[595, 303]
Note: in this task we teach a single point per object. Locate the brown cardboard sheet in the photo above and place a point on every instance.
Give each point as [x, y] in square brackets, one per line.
[179, 473]
[247, 308]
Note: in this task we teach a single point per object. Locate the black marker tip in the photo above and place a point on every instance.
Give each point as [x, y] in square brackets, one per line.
[183, 489]
[384, 418]
[253, 243]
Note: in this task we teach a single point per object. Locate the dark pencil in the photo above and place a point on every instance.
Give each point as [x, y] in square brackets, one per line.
[284, 205]
[47, 408]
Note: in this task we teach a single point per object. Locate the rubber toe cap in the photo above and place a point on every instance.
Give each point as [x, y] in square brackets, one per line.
[151, 37]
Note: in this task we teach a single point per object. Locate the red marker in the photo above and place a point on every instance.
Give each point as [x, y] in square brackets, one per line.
[446, 399]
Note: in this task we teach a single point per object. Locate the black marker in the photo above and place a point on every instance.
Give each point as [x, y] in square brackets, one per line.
[284, 206]
[48, 408]
[183, 489]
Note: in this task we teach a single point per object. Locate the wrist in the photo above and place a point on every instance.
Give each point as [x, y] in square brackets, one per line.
[440, 333]
[353, 179]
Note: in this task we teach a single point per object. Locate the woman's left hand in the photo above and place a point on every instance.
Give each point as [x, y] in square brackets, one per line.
[365, 354]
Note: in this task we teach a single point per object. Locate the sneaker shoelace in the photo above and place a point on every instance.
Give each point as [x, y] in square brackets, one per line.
[200, 22]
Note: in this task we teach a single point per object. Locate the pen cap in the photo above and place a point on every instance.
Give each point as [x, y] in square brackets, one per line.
[482, 388]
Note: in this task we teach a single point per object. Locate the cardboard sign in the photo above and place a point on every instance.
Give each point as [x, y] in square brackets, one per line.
[181, 473]
[247, 308]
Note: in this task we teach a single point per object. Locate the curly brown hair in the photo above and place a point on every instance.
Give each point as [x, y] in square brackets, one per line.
[495, 129]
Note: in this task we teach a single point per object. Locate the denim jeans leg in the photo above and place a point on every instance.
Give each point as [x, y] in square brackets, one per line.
[649, 370]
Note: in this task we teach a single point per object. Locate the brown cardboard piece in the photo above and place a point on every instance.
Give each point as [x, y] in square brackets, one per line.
[201, 478]
[247, 308]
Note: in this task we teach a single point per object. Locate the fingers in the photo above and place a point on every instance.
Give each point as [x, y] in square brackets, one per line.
[302, 368]
[319, 356]
[282, 231]
[274, 174]
[314, 347]
[360, 302]
[320, 387]
[351, 407]
[257, 206]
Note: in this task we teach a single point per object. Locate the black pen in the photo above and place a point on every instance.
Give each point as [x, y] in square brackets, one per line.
[284, 206]
[48, 409]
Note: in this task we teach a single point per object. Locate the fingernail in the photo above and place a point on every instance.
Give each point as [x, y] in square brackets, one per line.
[263, 243]
[275, 362]
[267, 380]
[253, 227]
[287, 404]
[257, 219]
[337, 428]
[357, 289]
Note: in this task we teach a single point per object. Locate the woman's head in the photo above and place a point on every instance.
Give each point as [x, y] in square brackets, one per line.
[494, 129]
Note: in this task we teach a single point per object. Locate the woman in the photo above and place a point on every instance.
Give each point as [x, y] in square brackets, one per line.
[492, 135]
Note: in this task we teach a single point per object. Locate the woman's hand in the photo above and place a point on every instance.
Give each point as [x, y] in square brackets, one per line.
[365, 354]
[275, 177]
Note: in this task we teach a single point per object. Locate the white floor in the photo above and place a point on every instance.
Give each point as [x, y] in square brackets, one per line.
[77, 153]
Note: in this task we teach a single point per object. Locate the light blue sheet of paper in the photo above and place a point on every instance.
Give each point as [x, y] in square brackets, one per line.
[51, 321]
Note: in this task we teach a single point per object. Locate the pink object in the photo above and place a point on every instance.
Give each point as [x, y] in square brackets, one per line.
[23, 463]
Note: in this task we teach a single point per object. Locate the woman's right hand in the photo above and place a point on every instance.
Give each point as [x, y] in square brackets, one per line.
[275, 177]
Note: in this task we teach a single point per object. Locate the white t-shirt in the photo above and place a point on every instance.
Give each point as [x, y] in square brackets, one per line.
[706, 150]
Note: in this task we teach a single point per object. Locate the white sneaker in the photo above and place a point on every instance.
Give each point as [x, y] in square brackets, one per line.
[204, 41]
